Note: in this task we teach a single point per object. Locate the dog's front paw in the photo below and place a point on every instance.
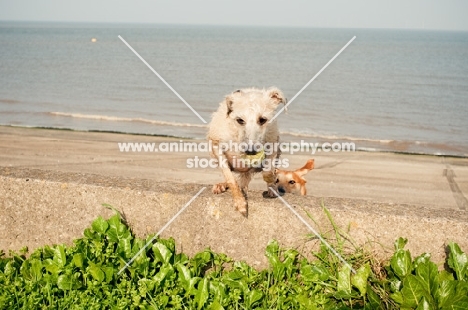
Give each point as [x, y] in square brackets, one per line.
[271, 194]
[241, 206]
[219, 188]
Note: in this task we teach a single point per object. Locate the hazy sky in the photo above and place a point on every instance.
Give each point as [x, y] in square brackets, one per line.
[429, 14]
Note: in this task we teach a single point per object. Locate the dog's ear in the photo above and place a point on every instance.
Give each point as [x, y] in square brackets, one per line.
[307, 167]
[229, 105]
[277, 95]
[229, 101]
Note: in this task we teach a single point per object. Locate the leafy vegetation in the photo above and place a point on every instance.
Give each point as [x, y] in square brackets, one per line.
[85, 276]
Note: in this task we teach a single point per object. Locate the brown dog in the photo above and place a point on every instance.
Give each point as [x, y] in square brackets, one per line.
[293, 181]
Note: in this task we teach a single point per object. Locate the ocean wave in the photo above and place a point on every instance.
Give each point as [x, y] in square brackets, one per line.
[9, 101]
[177, 124]
[334, 137]
[125, 119]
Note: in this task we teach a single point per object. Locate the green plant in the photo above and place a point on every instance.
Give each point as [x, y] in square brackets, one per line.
[418, 284]
[85, 275]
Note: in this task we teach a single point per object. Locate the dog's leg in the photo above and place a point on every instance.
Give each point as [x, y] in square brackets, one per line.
[243, 179]
[240, 203]
[220, 188]
[269, 176]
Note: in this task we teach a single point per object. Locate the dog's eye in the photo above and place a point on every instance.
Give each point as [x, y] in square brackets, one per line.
[292, 182]
[240, 121]
[262, 120]
[277, 180]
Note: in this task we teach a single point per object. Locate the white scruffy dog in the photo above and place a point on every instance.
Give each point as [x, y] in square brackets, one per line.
[243, 119]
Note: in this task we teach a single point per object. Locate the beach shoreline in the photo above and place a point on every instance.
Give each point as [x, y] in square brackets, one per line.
[285, 136]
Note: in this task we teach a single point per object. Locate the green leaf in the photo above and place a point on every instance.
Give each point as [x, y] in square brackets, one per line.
[458, 261]
[97, 273]
[217, 289]
[60, 259]
[163, 274]
[36, 269]
[145, 286]
[202, 293]
[424, 305]
[445, 292]
[9, 269]
[278, 267]
[203, 258]
[374, 300]
[445, 276]
[125, 247]
[114, 221]
[413, 291]
[401, 263]
[65, 282]
[90, 234]
[184, 275]
[397, 297]
[359, 280]
[170, 244]
[78, 259]
[162, 253]
[428, 272]
[461, 305]
[51, 266]
[68, 282]
[26, 270]
[192, 282]
[452, 293]
[253, 297]
[272, 249]
[400, 244]
[345, 295]
[305, 302]
[117, 230]
[314, 273]
[215, 305]
[344, 279]
[421, 259]
[100, 225]
[236, 280]
[109, 271]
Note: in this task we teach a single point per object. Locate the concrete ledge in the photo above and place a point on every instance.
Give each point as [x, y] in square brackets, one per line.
[41, 207]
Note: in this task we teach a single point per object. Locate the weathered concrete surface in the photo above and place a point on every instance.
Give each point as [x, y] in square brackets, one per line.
[35, 212]
[52, 185]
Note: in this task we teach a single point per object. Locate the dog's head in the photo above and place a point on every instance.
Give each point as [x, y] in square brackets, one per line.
[293, 181]
[250, 110]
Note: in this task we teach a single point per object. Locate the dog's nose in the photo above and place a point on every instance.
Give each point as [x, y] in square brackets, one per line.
[281, 190]
[251, 151]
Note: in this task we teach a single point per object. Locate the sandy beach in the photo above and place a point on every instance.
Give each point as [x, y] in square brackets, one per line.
[53, 184]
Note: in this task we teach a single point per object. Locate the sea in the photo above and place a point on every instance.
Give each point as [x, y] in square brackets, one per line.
[389, 90]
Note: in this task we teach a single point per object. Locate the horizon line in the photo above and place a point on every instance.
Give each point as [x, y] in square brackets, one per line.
[149, 24]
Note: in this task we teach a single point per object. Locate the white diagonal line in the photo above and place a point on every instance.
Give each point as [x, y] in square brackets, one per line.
[160, 231]
[313, 230]
[163, 80]
[312, 79]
